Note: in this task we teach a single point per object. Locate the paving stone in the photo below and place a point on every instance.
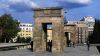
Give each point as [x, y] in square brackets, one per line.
[68, 51]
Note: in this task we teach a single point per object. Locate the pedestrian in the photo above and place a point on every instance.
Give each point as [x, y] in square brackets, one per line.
[50, 45]
[47, 45]
[88, 45]
[74, 44]
[31, 45]
[69, 43]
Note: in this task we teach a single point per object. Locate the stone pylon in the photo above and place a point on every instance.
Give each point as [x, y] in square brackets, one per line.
[55, 17]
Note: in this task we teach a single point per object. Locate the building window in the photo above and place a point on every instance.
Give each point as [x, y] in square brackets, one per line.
[23, 28]
[27, 25]
[26, 28]
[26, 34]
[20, 25]
[26, 31]
[23, 25]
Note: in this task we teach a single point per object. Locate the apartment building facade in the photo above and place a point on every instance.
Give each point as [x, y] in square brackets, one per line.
[26, 30]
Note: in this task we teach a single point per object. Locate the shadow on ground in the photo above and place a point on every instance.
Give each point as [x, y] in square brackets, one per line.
[98, 47]
[7, 49]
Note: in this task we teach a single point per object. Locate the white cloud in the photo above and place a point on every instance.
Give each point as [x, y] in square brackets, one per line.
[25, 5]
[4, 5]
[29, 3]
[17, 5]
[77, 1]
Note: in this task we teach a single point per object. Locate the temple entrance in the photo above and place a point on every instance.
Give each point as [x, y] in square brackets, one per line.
[47, 29]
[68, 38]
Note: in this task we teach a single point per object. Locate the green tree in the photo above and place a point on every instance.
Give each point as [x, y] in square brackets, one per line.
[28, 39]
[96, 32]
[9, 28]
[23, 40]
[95, 37]
[18, 40]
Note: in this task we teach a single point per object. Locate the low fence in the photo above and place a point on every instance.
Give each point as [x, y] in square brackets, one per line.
[15, 45]
[95, 44]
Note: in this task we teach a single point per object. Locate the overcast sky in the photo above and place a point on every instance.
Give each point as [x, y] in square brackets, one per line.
[76, 9]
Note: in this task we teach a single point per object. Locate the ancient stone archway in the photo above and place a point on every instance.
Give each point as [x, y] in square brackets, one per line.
[70, 33]
[42, 17]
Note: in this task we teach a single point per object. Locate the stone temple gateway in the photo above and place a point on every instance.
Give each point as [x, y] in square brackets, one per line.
[44, 17]
[49, 25]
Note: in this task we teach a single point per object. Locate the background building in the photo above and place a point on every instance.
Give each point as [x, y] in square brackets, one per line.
[84, 28]
[78, 30]
[89, 21]
[82, 32]
[70, 33]
[26, 30]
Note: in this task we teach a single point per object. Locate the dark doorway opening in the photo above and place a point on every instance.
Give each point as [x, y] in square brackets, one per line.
[68, 40]
[47, 29]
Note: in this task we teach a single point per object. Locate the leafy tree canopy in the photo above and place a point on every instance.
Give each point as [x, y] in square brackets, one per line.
[95, 37]
[9, 28]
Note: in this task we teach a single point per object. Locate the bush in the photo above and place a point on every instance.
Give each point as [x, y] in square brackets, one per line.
[23, 40]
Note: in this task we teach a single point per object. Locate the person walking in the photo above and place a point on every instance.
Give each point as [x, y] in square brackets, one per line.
[31, 45]
[69, 43]
[50, 45]
[88, 45]
[74, 44]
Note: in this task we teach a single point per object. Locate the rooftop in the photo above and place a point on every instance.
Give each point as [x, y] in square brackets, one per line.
[70, 24]
[82, 25]
[48, 8]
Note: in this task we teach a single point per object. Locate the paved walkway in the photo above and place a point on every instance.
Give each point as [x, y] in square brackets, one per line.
[69, 51]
